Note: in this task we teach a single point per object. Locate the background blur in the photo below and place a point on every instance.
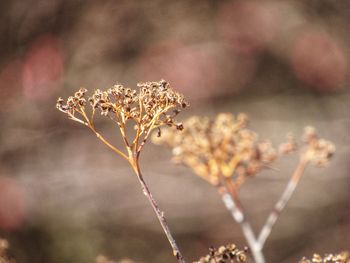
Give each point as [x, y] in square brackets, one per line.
[64, 197]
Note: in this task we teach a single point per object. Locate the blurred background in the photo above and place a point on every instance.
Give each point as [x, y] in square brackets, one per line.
[65, 197]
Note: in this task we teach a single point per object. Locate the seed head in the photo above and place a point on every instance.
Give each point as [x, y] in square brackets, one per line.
[343, 257]
[318, 151]
[219, 147]
[154, 105]
[224, 254]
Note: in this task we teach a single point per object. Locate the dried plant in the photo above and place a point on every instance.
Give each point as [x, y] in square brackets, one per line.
[224, 254]
[343, 257]
[155, 104]
[224, 152]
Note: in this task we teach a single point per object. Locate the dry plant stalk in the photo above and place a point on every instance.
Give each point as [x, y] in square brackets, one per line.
[224, 152]
[343, 257]
[155, 105]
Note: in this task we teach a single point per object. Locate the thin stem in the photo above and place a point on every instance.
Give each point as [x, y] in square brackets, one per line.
[282, 202]
[233, 205]
[99, 136]
[159, 213]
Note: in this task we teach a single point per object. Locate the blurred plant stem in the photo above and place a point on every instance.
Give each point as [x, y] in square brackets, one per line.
[282, 202]
[233, 205]
[229, 196]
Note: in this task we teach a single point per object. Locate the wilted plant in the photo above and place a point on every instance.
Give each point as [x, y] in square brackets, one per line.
[155, 104]
[224, 152]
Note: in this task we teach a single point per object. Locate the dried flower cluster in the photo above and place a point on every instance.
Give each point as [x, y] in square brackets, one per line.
[224, 254]
[343, 257]
[318, 151]
[4, 257]
[219, 148]
[154, 105]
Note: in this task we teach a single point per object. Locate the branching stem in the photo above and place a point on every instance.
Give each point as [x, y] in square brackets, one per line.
[232, 204]
[282, 202]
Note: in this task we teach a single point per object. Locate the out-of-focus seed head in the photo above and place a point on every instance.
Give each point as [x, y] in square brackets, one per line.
[224, 254]
[289, 146]
[219, 147]
[343, 257]
[318, 151]
[4, 255]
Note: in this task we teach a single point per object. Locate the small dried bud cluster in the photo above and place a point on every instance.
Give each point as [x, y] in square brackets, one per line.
[4, 257]
[343, 257]
[155, 104]
[224, 254]
[318, 151]
[74, 103]
[219, 148]
[289, 146]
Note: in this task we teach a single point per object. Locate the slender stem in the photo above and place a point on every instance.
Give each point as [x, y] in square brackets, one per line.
[159, 213]
[282, 202]
[233, 205]
[99, 136]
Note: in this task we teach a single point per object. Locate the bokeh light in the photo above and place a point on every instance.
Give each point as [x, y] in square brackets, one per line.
[12, 204]
[197, 70]
[319, 62]
[43, 68]
[10, 82]
[247, 26]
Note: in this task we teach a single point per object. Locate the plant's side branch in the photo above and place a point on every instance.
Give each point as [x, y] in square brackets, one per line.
[282, 202]
[99, 136]
[233, 205]
[90, 124]
[159, 213]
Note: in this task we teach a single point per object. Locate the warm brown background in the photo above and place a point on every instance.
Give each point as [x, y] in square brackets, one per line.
[64, 197]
